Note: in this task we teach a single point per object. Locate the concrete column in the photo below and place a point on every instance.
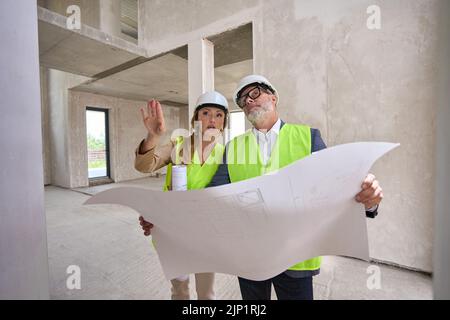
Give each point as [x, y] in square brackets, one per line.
[441, 252]
[200, 70]
[23, 237]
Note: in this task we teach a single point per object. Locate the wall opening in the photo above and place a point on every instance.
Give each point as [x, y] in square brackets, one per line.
[97, 133]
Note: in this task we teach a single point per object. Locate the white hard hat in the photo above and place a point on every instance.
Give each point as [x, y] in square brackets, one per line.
[251, 79]
[212, 97]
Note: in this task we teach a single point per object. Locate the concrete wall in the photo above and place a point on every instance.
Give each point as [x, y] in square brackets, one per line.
[59, 83]
[356, 84]
[45, 128]
[125, 131]
[23, 237]
[64, 127]
[110, 17]
[185, 122]
[110, 11]
[165, 25]
[352, 83]
[100, 14]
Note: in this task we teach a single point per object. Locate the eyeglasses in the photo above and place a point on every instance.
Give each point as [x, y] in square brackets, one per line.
[253, 94]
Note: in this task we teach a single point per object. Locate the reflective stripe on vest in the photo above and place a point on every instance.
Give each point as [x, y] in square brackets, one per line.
[198, 175]
[244, 162]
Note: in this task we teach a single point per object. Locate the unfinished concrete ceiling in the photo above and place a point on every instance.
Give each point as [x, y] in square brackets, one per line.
[85, 52]
[166, 77]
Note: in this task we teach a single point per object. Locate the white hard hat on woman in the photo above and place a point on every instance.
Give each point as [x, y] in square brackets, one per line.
[212, 98]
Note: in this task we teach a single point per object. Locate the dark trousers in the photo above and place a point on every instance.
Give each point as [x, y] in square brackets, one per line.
[286, 288]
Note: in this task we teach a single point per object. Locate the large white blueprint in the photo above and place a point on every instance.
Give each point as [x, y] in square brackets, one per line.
[259, 227]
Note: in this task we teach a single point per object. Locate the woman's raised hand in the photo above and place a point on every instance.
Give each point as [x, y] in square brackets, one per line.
[153, 118]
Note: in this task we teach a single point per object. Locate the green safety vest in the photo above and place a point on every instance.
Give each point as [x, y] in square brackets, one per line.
[244, 162]
[198, 175]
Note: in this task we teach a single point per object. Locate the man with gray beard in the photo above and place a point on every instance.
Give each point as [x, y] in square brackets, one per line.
[270, 145]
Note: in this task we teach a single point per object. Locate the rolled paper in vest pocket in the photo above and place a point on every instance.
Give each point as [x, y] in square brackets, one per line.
[179, 178]
[179, 183]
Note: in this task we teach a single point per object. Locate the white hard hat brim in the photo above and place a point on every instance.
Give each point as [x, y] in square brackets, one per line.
[253, 79]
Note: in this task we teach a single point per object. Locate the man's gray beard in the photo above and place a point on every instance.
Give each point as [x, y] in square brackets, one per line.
[258, 115]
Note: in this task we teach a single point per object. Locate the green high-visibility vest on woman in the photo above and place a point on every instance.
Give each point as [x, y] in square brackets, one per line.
[198, 175]
[244, 162]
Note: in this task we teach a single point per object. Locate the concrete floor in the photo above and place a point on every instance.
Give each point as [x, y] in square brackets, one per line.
[117, 262]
